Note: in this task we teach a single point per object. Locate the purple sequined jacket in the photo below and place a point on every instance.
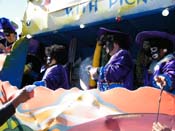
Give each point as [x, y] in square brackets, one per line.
[118, 70]
[56, 77]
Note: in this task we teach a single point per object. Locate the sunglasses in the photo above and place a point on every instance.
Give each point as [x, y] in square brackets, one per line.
[7, 34]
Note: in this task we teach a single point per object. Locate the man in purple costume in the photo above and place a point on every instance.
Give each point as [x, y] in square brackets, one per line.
[55, 75]
[9, 34]
[118, 72]
[159, 47]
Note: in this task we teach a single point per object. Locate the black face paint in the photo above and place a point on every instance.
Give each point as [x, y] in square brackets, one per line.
[154, 52]
[146, 48]
[109, 47]
[48, 60]
[107, 41]
[151, 50]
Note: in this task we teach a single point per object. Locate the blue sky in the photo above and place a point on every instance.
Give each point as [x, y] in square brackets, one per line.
[13, 10]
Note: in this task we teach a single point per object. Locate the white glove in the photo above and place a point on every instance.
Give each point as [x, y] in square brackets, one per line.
[93, 73]
[160, 81]
[30, 88]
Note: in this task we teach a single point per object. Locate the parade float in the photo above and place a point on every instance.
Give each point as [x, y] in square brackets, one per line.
[76, 23]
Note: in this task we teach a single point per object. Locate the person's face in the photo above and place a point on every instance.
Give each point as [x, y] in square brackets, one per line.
[154, 52]
[111, 49]
[11, 37]
[106, 47]
[151, 51]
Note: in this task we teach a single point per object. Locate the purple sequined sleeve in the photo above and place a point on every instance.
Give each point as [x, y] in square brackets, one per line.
[119, 69]
[56, 77]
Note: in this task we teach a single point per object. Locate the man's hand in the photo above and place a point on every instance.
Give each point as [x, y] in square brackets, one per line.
[22, 96]
[159, 127]
[93, 71]
[160, 81]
